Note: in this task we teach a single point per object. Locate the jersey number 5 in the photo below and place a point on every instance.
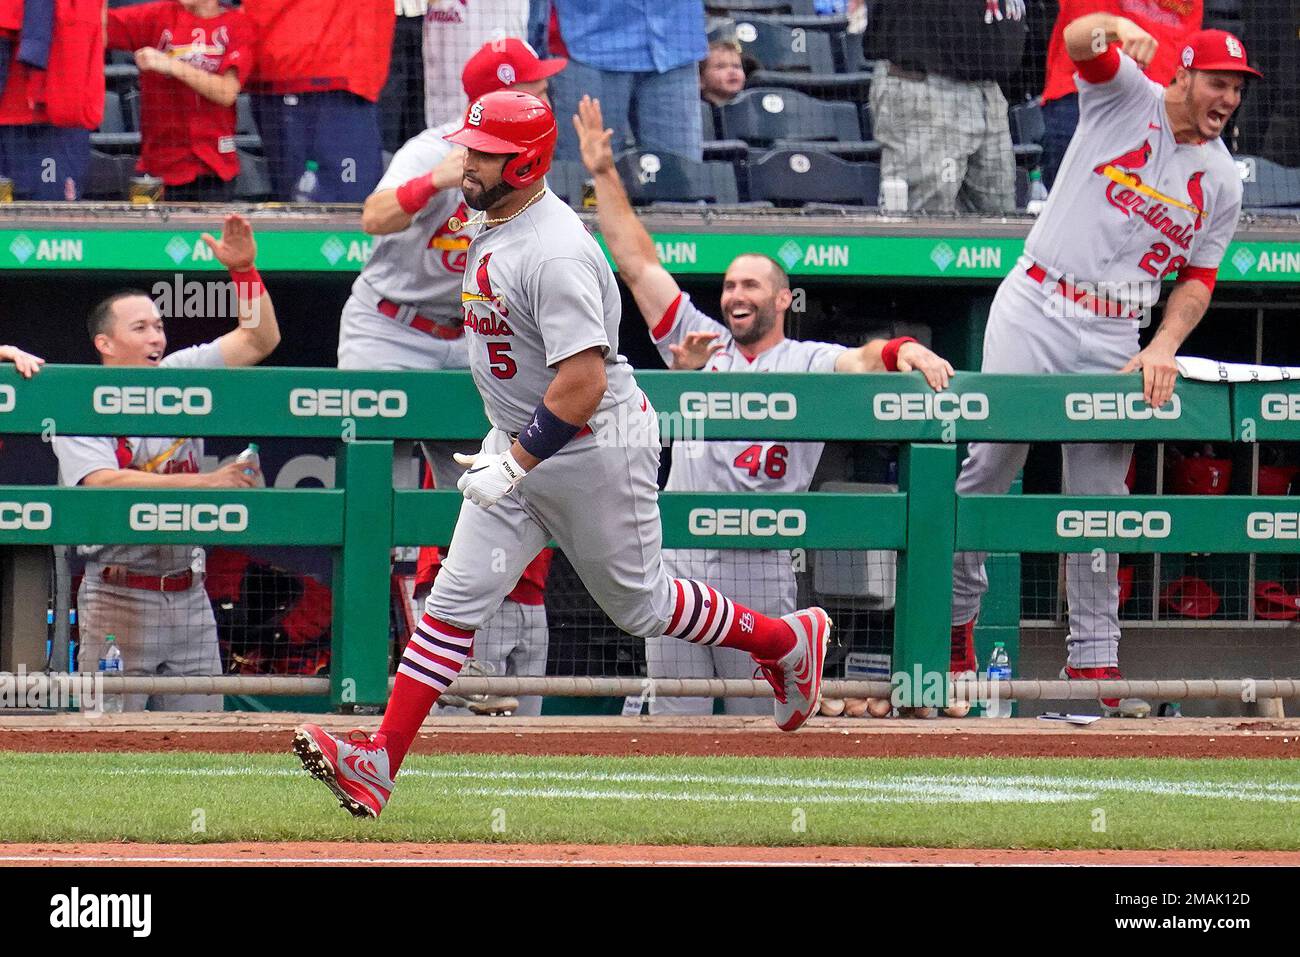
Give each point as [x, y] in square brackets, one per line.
[500, 361]
[751, 460]
[1154, 258]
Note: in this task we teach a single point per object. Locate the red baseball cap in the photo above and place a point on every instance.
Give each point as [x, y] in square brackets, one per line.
[1216, 50]
[503, 63]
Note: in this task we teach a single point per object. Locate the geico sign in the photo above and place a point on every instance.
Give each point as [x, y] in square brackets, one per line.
[150, 517]
[7, 398]
[944, 406]
[1273, 525]
[759, 522]
[1280, 407]
[361, 403]
[33, 516]
[1102, 524]
[1113, 406]
[151, 400]
[739, 405]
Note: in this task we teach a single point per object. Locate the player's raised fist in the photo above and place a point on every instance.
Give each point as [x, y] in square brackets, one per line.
[449, 173]
[593, 138]
[1136, 42]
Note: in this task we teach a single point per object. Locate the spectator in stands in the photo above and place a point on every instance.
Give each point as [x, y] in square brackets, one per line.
[193, 57]
[936, 102]
[26, 363]
[1169, 21]
[722, 72]
[639, 58]
[453, 31]
[151, 597]
[320, 67]
[401, 101]
[52, 74]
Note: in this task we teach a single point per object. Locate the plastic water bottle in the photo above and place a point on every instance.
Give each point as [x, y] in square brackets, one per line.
[251, 460]
[1037, 193]
[109, 665]
[999, 670]
[305, 192]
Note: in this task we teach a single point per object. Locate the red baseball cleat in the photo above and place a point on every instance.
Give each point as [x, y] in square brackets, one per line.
[356, 769]
[1110, 707]
[797, 677]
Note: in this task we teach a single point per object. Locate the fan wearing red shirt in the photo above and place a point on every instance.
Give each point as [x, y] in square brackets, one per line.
[1169, 21]
[193, 57]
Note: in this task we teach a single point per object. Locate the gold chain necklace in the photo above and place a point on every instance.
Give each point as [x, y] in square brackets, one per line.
[456, 224]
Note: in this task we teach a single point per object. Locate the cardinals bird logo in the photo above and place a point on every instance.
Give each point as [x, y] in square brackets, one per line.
[484, 284]
[1126, 189]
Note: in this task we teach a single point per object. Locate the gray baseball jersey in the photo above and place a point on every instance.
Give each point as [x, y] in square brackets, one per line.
[762, 580]
[1131, 206]
[538, 290]
[421, 265]
[79, 455]
[742, 466]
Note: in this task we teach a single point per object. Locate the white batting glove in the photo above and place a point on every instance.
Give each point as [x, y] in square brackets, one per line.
[488, 476]
[1016, 9]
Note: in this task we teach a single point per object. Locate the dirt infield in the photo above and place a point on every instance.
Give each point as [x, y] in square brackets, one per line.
[325, 854]
[822, 738]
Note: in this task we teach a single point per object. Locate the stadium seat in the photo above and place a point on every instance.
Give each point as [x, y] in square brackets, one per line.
[708, 122]
[108, 177]
[566, 179]
[849, 87]
[254, 181]
[1267, 184]
[762, 114]
[1026, 121]
[244, 122]
[852, 58]
[795, 177]
[113, 121]
[777, 46]
[659, 176]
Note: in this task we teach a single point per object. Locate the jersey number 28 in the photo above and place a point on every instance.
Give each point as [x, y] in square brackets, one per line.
[1154, 258]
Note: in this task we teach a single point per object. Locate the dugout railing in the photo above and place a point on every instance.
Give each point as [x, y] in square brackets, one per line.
[363, 517]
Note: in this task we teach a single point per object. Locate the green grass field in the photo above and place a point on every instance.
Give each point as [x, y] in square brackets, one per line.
[1030, 803]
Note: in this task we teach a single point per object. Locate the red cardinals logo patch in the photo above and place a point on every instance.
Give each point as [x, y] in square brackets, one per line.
[454, 248]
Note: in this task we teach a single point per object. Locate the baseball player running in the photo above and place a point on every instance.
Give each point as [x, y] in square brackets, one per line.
[151, 597]
[1146, 191]
[542, 315]
[755, 297]
[405, 312]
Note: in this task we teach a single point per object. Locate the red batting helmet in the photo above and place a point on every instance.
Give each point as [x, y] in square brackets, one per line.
[511, 121]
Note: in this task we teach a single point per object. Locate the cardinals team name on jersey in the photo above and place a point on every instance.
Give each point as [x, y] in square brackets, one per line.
[1126, 191]
[487, 325]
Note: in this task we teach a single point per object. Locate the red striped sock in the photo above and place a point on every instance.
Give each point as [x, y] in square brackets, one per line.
[704, 617]
[430, 663]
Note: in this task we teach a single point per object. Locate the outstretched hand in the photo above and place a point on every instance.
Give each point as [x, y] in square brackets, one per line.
[236, 250]
[1159, 374]
[914, 357]
[695, 351]
[594, 140]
